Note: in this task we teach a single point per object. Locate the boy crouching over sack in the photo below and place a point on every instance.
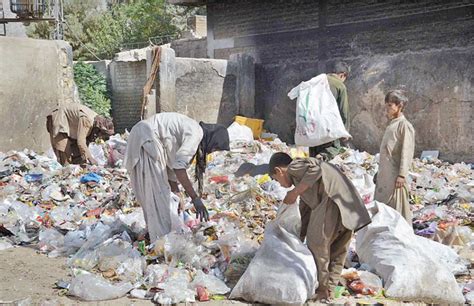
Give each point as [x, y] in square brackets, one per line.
[331, 210]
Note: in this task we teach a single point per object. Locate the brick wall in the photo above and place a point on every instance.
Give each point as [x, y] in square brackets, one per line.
[249, 17]
[390, 44]
[128, 79]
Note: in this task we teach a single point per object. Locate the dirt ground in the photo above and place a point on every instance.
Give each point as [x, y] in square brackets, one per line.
[28, 278]
[25, 274]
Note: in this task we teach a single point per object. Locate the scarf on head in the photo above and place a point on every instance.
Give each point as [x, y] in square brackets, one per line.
[215, 138]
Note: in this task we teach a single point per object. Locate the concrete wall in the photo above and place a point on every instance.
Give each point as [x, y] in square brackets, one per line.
[206, 89]
[423, 46]
[193, 47]
[36, 75]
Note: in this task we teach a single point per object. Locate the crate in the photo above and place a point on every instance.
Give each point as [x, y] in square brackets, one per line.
[255, 124]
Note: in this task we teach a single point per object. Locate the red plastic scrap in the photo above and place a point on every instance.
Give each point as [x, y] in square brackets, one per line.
[360, 288]
[220, 179]
[95, 212]
[202, 293]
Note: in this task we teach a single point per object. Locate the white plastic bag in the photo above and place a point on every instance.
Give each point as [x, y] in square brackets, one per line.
[177, 221]
[210, 282]
[50, 239]
[318, 120]
[98, 154]
[238, 132]
[175, 289]
[283, 269]
[413, 268]
[90, 287]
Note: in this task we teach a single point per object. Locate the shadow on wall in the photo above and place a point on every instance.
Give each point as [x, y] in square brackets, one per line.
[228, 108]
[438, 85]
[440, 100]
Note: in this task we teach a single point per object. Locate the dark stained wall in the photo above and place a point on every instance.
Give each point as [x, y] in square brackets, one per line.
[425, 47]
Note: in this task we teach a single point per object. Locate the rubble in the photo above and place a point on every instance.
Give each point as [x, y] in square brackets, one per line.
[89, 214]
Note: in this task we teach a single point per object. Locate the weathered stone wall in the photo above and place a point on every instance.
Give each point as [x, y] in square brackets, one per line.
[423, 46]
[36, 76]
[205, 89]
[210, 90]
[192, 47]
[127, 80]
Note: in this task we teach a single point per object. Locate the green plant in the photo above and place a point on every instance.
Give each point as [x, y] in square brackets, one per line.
[97, 31]
[92, 87]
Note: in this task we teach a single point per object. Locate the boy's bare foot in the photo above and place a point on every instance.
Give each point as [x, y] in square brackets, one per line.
[322, 295]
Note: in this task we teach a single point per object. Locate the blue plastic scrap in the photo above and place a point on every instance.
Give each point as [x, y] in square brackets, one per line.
[37, 177]
[91, 177]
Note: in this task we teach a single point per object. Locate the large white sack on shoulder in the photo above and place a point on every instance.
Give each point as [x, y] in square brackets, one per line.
[412, 271]
[239, 132]
[318, 120]
[283, 269]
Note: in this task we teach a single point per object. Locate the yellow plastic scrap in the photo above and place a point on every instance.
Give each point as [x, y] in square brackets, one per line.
[264, 179]
[298, 152]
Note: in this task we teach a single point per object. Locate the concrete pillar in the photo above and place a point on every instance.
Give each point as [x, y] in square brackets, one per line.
[245, 87]
[165, 82]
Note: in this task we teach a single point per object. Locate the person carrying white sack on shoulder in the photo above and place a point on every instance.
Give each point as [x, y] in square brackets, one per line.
[322, 113]
[339, 74]
[159, 150]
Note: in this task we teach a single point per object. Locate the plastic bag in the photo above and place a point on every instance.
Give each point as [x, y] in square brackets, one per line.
[156, 274]
[210, 282]
[362, 282]
[238, 250]
[50, 239]
[73, 241]
[5, 244]
[34, 177]
[119, 256]
[413, 268]
[132, 269]
[181, 248]
[87, 257]
[135, 221]
[318, 120]
[283, 269]
[238, 132]
[98, 154]
[91, 177]
[90, 287]
[175, 288]
[177, 221]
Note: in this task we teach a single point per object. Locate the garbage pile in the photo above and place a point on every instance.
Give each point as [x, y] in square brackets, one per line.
[442, 194]
[443, 198]
[89, 214]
